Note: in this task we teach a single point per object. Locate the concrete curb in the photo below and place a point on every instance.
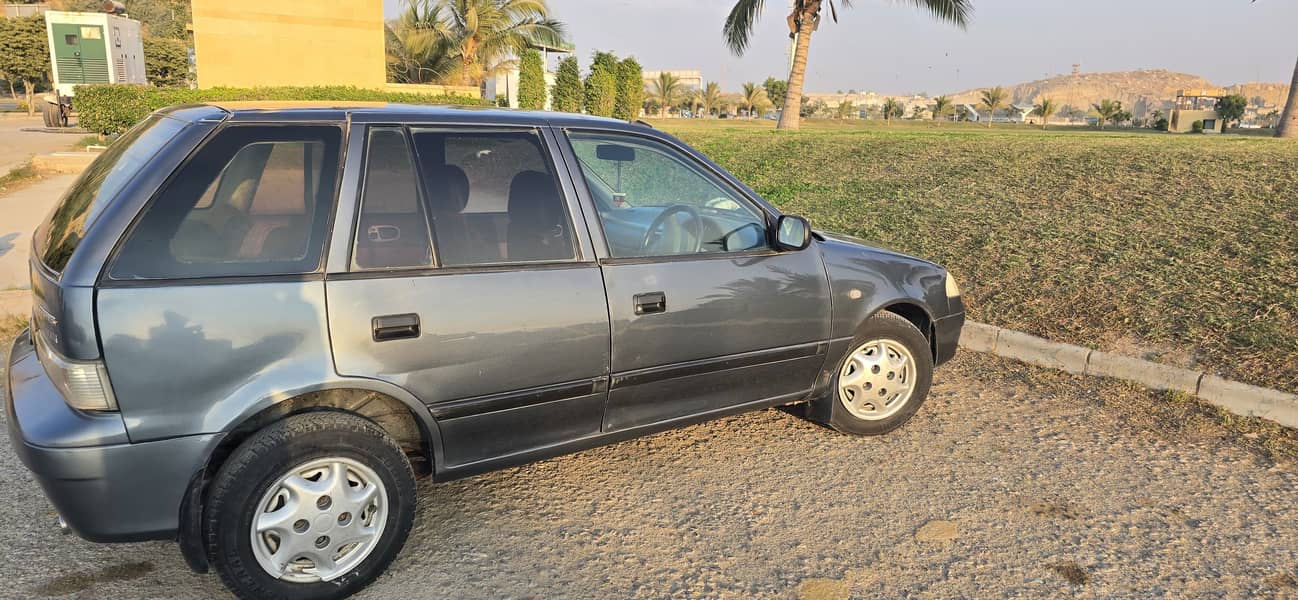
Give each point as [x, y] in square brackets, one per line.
[1239, 398]
[63, 162]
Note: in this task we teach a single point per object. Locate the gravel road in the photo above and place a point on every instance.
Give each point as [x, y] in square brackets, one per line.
[1003, 486]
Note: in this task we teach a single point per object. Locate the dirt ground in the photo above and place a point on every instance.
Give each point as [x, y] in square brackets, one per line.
[1010, 483]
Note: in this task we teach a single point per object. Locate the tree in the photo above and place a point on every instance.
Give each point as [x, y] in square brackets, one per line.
[845, 109]
[803, 21]
[24, 54]
[1288, 127]
[630, 90]
[693, 100]
[776, 90]
[487, 34]
[158, 18]
[753, 98]
[531, 80]
[893, 109]
[1271, 118]
[1231, 109]
[942, 106]
[666, 90]
[992, 100]
[918, 111]
[711, 97]
[601, 85]
[1108, 110]
[1045, 109]
[567, 95]
[166, 62]
[419, 45]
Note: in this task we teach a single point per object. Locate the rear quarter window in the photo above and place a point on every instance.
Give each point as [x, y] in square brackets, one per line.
[57, 238]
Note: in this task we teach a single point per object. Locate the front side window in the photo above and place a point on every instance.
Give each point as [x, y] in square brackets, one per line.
[493, 197]
[655, 201]
[255, 200]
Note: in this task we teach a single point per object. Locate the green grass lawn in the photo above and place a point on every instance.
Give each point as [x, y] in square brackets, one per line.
[1179, 248]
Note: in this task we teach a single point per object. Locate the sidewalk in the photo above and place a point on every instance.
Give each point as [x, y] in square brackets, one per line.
[20, 212]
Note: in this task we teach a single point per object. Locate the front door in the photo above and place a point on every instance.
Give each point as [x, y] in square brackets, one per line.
[494, 316]
[705, 315]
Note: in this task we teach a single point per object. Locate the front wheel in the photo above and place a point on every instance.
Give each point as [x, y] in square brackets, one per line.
[314, 506]
[882, 380]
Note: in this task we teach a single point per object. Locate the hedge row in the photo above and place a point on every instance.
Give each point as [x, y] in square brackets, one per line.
[109, 109]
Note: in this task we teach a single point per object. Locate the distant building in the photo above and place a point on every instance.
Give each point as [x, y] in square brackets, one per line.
[502, 88]
[24, 10]
[1196, 105]
[690, 80]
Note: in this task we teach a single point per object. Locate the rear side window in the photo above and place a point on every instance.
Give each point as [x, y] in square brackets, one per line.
[255, 200]
[393, 229]
[64, 228]
[492, 196]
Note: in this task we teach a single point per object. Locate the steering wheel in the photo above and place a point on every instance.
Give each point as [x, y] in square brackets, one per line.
[675, 228]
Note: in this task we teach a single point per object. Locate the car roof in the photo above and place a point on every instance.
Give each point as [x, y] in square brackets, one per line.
[380, 112]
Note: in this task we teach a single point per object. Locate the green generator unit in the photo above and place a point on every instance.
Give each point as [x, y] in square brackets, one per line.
[87, 47]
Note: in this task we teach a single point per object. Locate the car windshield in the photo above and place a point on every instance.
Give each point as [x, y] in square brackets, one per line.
[57, 238]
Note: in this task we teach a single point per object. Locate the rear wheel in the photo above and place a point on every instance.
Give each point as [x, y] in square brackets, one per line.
[314, 506]
[882, 380]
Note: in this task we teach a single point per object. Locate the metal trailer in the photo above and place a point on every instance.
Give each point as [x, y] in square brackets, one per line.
[87, 47]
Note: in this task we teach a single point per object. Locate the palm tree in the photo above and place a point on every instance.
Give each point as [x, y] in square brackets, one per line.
[892, 108]
[845, 109]
[711, 97]
[666, 91]
[1109, 110]
[754, 98]
[942, 107]
[803, 21]
[1289, 120]
[917, 112]
[489, 33]
[1045, 108]
[419, 48]
[694, 99]
[992, 100]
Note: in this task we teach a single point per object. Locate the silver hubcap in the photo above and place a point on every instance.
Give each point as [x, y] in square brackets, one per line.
[876, 379]
[319, 520]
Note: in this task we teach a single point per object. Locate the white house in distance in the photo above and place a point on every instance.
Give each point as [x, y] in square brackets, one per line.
[690, 79]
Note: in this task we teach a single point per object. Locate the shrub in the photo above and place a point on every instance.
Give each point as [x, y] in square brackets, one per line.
[531, 81]
[630, 90]
[1197, 126]
[109, 109]
[1161, 124]
[601, 85]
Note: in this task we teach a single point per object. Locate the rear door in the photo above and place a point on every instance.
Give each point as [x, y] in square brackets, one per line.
[469, 284]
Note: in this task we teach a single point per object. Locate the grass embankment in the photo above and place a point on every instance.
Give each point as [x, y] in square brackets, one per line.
[1178, 248]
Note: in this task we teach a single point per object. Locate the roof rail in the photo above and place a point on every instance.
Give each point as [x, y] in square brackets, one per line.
[643, 122]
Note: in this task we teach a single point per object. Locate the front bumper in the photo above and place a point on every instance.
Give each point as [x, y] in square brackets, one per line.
[105, 488]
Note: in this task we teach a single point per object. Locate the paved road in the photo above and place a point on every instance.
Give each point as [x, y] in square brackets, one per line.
[18, 146]
[20, 212]
[995, 489]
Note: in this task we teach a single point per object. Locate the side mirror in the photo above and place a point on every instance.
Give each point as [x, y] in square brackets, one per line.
[792, 233]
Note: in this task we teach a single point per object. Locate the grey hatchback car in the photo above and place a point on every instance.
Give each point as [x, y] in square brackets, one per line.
[252, 328]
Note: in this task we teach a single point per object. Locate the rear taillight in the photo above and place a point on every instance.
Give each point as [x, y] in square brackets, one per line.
[83, 383]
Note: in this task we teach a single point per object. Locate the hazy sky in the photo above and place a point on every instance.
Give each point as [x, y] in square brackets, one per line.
[890, 47]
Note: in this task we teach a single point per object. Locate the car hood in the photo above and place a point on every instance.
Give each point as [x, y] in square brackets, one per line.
[845, 243]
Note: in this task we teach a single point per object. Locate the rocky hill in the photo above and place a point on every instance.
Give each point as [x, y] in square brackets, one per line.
[1140, 91]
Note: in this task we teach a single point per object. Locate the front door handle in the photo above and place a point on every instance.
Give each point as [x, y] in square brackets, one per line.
[395, 327]
[651, 302]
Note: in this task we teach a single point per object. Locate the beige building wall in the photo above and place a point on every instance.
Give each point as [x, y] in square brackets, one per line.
[1182, 120]
[246, 43]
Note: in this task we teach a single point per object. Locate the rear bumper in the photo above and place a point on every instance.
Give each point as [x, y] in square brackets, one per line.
[946, 337]
[105, 488]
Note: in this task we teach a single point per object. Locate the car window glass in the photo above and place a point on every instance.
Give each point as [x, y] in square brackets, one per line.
[653, 200]
[493, 197]
[254, 201]
[393, 229]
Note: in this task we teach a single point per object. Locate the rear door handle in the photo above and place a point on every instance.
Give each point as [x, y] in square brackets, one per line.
[651, 302]
[395, 327]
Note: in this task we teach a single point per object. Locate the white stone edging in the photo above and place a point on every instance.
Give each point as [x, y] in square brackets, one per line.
[1239, 398]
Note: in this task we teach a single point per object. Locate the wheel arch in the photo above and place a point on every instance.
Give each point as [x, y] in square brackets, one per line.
[392, 408]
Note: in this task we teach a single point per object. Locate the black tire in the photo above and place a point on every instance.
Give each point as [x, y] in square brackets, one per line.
[49, 114]
[882, 326]
[270, 453]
